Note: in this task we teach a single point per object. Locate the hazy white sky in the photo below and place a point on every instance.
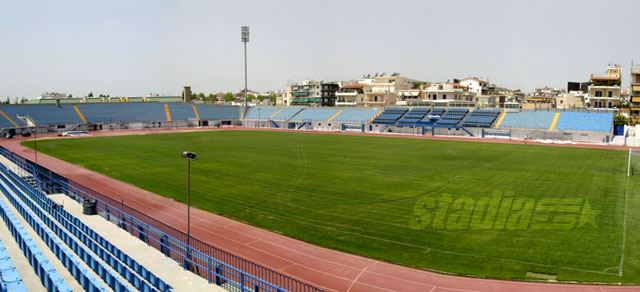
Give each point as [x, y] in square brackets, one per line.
[140, 47]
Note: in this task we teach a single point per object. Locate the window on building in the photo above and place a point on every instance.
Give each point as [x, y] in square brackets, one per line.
[444, 96]
[610, 93]
[598, 93]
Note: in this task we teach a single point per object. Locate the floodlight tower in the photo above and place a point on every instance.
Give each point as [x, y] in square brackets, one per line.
[245, 40]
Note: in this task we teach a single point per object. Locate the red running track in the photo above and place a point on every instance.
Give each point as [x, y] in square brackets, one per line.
[327, 269]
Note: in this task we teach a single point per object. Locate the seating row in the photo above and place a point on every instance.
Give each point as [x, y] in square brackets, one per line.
[129, 269]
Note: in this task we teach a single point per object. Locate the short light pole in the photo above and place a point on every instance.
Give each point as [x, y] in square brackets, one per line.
[35, 144]
[189, 156]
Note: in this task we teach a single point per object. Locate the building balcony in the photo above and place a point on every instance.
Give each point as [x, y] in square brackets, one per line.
[306, 100]
[346, 93]
[604, 97]
[300, 93]
[346, 103]
[635, 99]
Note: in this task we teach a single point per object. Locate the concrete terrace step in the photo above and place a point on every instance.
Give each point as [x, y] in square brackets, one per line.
[46, 251]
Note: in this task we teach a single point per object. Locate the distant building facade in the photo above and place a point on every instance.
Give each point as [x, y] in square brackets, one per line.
[475, 85]
[634, 93]
[352, 94]
[605, 91]
[311, 93]
[384, 89]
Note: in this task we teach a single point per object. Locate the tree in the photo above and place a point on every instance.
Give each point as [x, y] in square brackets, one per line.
[416, 84]
[250, 97]
[260, 98]
[201, 96]
[273, 98]
[90, 94]
[23, 100]
[621, 120]
[228, 97]
[70, 96]
[211, 97]
[8, 101]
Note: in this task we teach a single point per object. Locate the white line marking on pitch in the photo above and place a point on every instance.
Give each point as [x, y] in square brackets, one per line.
[624, 229]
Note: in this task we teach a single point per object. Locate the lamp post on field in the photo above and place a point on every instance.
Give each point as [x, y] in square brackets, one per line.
[35, 144]
[189, 156]
[35, 151]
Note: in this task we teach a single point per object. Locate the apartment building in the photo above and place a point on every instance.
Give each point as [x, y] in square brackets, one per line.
[475, 85]
[352, 94]
[634, 93]
[384, 89]
[311, 93]
[605, 91]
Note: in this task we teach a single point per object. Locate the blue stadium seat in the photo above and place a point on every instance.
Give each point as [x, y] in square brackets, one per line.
[123, 112]
[212, 112]
[286, 113]
[452, 117]
[260, 113]
[414, 116]
[355, 115]
[390, 115]
[588, 122]
[313, 114]
[540, 120]
[42, 114]
[481, 118]
[181, 111]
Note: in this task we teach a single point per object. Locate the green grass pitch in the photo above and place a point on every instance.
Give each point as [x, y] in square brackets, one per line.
[359, 194]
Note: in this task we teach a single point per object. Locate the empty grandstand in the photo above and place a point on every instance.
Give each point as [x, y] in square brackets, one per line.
[16, 119]
[213, 112]
[540, 120]
[587, 122]
[72, 242]
[481, 118]
[26, 115]
[181, 111]
[132, 112]
[390, 115]
[314, 114]
[432, 116]
[261, 113]
[415, 115]
[286, 113]
[452, 117]
[355, 115]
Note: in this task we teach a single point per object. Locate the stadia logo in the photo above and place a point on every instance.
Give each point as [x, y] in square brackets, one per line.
[502, 211]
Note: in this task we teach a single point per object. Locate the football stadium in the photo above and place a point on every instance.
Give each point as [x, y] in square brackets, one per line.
[171, 196]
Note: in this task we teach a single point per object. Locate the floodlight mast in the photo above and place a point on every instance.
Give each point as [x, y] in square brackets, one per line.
[245, 39]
